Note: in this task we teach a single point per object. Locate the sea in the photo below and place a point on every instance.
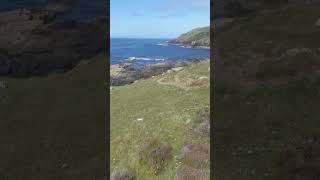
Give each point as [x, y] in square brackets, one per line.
[151, 51]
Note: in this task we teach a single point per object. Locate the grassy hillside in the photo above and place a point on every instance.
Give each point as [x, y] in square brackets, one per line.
[266, 96]
[54, 127]
[195, 37]
[160, 113]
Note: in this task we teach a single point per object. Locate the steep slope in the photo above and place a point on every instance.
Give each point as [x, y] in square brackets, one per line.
[157, 119]
[199, 37]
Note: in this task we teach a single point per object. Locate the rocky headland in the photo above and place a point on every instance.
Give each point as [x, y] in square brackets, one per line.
[196, 38]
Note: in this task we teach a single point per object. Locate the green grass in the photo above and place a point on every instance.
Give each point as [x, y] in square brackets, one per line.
[165, 109]
[253, 124]
[199, 34]
[55, 127]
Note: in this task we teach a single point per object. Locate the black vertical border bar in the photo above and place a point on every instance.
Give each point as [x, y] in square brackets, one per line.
[107, 68]
[212, 74]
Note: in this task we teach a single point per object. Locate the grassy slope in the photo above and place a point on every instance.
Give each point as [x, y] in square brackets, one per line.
[254, 124]
[202, 35]
[165, 109]
[48, 122]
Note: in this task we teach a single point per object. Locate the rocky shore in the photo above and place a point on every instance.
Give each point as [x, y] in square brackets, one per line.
[122, 74]
[35, 44]
[188, 45]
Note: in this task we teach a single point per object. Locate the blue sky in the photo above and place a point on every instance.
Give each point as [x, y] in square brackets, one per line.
[157, 18]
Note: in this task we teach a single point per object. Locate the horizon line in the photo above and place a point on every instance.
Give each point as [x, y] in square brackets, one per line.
[113, 37]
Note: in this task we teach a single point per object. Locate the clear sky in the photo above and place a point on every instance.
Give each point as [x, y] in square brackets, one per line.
[157, 18]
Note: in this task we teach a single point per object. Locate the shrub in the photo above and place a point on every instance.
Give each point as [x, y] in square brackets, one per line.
[202, 123]
[156, 154]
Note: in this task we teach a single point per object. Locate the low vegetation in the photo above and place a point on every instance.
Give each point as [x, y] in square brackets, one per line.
[151, 121]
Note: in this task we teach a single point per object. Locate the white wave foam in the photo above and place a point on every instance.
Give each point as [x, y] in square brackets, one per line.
[131, 58]
[160, 44]
[160, 59]
[144, 59]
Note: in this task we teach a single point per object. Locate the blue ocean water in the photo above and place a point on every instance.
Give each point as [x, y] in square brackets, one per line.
[151, 51]
[81, 10]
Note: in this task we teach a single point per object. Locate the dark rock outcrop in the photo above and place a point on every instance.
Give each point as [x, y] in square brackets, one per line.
[122, 74]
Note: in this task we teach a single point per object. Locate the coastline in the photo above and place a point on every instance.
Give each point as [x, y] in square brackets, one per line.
[187, 45]
[124, 74]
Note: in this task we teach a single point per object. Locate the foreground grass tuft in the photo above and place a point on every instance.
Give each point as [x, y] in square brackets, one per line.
[156, 155]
